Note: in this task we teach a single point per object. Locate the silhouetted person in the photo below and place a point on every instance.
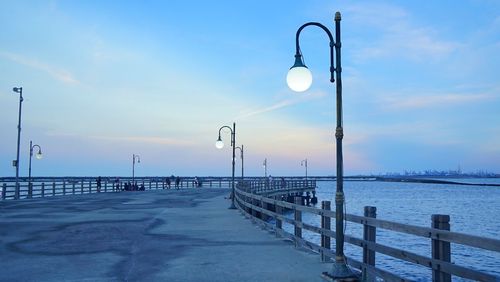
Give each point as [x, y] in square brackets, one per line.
[177, 181]
[142, 188]
[98, 184]
[168, 182]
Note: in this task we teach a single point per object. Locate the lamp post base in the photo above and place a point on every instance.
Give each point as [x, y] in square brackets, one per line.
[340, 272]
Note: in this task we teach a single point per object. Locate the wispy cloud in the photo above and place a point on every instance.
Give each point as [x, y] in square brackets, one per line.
[282, 104]
[418, 102]
[56, 72]
[397, 36]
[147, 139]
[126, 139]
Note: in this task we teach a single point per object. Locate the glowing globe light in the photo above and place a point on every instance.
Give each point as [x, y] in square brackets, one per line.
[219, 144]
[299, 78]
[39, 155]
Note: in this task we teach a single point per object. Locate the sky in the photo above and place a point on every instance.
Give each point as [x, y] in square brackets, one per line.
[103, 80]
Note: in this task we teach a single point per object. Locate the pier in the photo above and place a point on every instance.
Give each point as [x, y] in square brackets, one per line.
[188, 234]
[164, 235]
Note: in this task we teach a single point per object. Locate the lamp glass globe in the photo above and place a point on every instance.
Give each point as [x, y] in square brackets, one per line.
[299, 79]
[219, 144]
[39, 155]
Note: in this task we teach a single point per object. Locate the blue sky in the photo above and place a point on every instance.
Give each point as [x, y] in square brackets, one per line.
[103, 80]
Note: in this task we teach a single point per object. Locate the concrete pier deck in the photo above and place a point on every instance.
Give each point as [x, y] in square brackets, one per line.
[163, 235]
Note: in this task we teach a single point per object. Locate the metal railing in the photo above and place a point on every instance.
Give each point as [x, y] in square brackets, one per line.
[59, 186]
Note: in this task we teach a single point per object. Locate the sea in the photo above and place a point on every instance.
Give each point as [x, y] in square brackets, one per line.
[472, 209]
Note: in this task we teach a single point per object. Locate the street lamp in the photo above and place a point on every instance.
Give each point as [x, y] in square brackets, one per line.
[219, 144]
[134, 157]
[241, 156]
[264, 165]
[16, 162]
[38, 156]
[299, 79]
[304, 163]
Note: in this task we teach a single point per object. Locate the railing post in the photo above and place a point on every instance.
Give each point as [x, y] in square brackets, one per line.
[53, 188]
[16, 193]
[90, 186]
[279, 211]
[30, 190]
[81, 187]
[298, 219]
[43, 189]
[64, 188]
[325, 224]
[105, 186]
[4, 190]
[369, 234]
[440, 249]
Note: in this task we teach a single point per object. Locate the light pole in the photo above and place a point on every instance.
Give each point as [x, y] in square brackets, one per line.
[134, 157]
[304, 163]
[299, 79]
[264, 164]
[241, 156]
[38, 156]
[16, 163]
[219, 144]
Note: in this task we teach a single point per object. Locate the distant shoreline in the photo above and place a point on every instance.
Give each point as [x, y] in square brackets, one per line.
[431, 181]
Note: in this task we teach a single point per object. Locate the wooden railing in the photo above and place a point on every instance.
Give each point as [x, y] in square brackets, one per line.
[44, 187]
[260, 208]
[278, 187]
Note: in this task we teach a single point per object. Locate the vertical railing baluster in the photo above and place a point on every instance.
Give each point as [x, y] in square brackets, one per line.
[325, 224]
[298, 220]
[369, 234]
[441, 250]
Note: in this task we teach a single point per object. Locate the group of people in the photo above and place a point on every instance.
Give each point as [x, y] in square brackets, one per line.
[133, 187]
[176, 180]
[128, 186]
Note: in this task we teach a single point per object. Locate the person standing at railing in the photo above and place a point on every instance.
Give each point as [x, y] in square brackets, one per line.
[177, 181]
[98, 184]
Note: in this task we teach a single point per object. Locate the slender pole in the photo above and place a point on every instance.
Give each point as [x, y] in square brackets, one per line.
[233, 143]
[18, 138]
[339, 134]
[133, 168]
[306, 170]
[29, 166]
[265, 168]
[242, 163]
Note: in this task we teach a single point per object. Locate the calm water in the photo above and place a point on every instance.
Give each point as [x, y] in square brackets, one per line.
[473, 210]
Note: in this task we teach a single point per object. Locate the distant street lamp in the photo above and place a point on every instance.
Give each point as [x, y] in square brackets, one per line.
[134, 157]
[16, 162]
[38, 156]
[219, 144]
[241, 156]
[264, 165]
[299, 79]
[304, 163]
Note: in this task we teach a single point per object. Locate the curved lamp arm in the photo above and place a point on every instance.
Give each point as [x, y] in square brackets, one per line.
[232, 134]
[298, 54]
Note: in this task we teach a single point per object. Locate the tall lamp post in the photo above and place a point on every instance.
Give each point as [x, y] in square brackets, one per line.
[16, 163]
[264, 164]
[242, 163]
[134, 158]
[38, 156]
[299, 79]
[304, 163]
[219, 144]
